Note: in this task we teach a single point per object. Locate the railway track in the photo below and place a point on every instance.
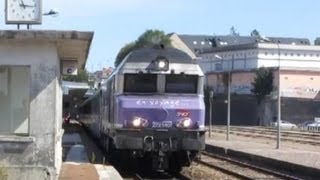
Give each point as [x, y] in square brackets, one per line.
[240, 169]
[141, 176]
[291, 133]
[303, 138]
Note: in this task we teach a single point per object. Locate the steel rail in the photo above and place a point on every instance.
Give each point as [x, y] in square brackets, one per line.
[250, 166]
[269, 136]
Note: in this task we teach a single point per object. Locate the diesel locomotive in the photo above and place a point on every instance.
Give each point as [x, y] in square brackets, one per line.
[150, 107]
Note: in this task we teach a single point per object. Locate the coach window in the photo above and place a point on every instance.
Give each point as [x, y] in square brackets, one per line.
[14, 99]
[140, 83]
[181, 84]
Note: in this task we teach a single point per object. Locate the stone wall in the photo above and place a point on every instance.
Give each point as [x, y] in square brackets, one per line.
[34, 155]
[245, 110]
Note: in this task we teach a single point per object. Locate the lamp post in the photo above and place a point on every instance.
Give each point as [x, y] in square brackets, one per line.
[229, 92]
[52, 12]
[279, 101]
[229, 98]
[210, 116]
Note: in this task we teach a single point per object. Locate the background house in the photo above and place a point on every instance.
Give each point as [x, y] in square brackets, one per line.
[297, 59]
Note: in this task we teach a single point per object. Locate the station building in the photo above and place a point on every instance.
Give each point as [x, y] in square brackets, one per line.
[297, 59]
[299, 66]
[31, 65]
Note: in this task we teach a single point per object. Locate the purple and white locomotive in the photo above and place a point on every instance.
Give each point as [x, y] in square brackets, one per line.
[151, 106]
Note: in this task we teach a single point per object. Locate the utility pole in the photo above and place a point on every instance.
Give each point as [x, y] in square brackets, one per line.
[229, 97]
[279, 101]
[210, 120]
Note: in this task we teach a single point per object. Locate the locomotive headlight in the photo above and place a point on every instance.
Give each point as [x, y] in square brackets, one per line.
[162, 64]
[139, 122]
[136, 122]
[186, 122]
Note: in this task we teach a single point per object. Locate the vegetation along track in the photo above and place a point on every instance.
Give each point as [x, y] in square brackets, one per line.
[293, 136]
[239, 169]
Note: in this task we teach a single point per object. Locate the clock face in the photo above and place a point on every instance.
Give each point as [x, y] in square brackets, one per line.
[23, 11]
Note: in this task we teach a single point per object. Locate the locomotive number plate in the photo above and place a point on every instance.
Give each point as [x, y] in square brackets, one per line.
[164, 124]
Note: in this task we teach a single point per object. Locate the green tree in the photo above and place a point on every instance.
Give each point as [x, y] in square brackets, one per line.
[233, 32]
[82, 76]
[255, 33]
[147, 39]
[124, 51]
[152, 37]
[262, 84]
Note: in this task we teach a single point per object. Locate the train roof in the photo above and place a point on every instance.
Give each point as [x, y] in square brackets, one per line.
[149, 54]
[140, 60]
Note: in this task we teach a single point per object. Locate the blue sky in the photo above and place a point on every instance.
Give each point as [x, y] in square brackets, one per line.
[117, 22]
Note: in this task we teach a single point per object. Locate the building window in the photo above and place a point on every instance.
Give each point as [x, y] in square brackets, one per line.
[298, 54]
[291, 54]
[311, 78]
[266, 53]
[15, 99]
[317, 55]
[194, 42]
[285, 54]
[218, 66]
[311, 55]
[202, 42]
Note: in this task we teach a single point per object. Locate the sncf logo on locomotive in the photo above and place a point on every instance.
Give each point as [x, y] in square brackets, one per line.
[183, 113]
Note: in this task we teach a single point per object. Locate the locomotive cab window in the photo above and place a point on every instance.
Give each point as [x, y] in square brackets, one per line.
[140, 83]
[181, 84]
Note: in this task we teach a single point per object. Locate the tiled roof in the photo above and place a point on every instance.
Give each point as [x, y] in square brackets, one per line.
[198, 43]
[219, 41]
[285, 40]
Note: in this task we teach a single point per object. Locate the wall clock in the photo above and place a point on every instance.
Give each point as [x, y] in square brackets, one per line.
[23, 11]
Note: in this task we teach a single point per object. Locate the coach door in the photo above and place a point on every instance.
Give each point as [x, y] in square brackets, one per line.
[112, 100]
[108, 98]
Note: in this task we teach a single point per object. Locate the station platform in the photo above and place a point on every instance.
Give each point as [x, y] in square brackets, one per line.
[82, 159]
[290, 156]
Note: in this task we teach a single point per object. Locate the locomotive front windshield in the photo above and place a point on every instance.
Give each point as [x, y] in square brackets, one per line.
[140, 83]
[181, 84]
